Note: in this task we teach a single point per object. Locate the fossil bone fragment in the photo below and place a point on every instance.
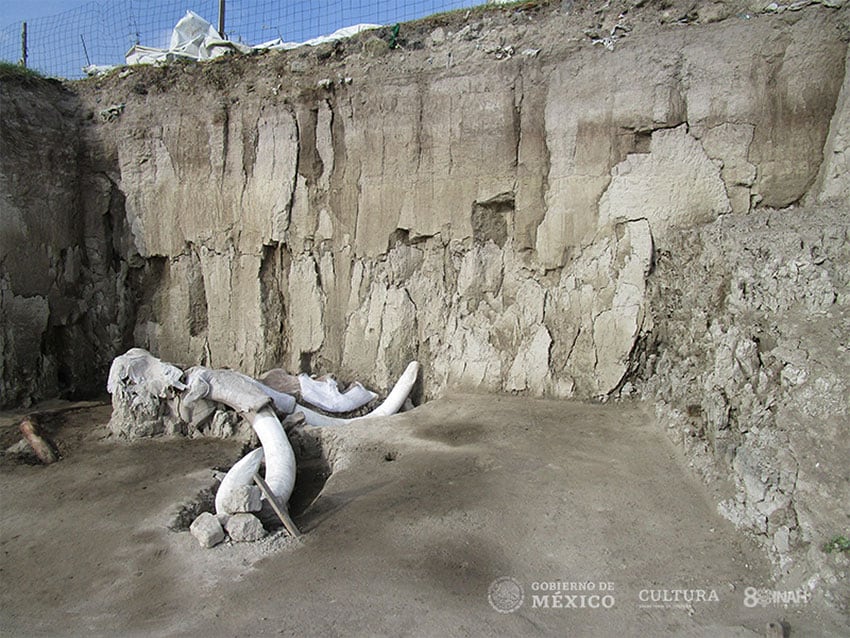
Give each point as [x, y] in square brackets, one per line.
[237, 390]
[144, 373]
[324, 393]
[278, 451]
[142, 377]
[392, 404]
[240, 474]
[144, 395]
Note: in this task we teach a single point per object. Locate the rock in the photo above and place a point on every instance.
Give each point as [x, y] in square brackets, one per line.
[675, 185]
[245, 498]
[438, 36]
[375, 47]
[530, 368]
[781, 540]
[715, 12]
[833, 182]
[749, 310]
[21, 448]
[22, 452]
[278, 268]
[244, 528]
[294, 420]
[307, 319]
[225, 423]
[207, 530]
[793, 375]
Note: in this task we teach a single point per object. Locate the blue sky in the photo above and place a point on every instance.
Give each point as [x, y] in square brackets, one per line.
[20, 10]
[101, 31]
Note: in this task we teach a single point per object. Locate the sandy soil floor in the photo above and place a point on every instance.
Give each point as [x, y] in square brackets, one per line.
[424, 511]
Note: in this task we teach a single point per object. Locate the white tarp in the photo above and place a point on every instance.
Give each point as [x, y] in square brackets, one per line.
[194, 38]
[324, 393]
[339, 34]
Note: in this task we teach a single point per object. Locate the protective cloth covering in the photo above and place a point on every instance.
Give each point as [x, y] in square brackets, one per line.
[192, 38]
[339, 34]
[325, 394]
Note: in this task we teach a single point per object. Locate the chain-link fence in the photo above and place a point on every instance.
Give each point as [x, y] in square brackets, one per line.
[102, 32]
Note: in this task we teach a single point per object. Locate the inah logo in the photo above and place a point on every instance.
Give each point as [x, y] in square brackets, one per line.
[505, 595]
[754, 597]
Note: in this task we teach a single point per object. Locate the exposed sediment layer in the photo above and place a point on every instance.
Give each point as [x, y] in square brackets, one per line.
[492, 218]
[504, 200]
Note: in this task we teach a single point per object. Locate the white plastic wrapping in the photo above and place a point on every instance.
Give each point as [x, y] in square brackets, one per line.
[194, 38]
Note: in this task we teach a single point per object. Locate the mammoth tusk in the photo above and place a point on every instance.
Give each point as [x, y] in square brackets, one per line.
[247, 396]
[240, 474]
[280, 461]
[237, 390]
[280, 458]
[392, 404]
[398, 395]
[141, 375]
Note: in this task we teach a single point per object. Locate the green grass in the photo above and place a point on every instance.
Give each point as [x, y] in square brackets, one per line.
[10, 72]
[837, 544]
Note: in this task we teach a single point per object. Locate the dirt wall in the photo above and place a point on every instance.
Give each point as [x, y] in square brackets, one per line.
[748, 371]
[64, 309]
[548, 199]
[486, 199]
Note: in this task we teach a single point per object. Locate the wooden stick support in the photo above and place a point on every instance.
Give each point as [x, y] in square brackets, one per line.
[43, 447]
[24, 46]
[278, 508]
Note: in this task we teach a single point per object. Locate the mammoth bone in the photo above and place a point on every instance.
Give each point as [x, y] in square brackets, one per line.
[196, 392]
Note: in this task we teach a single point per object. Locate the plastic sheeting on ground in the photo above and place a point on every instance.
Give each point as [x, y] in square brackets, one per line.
[339, 34]
[194, 38]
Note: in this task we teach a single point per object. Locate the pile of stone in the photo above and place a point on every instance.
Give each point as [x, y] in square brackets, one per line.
[236, 520]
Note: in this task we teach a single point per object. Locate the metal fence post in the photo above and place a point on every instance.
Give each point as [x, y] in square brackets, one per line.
[221, 4]
[23, 44]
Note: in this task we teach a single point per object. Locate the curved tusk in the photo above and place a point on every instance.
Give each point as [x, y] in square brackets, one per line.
[280, 460]
[392, 404]
[248, 397]
[398, 395]
[326, 395]
[242, 473]
[237, 390]
[283, 402]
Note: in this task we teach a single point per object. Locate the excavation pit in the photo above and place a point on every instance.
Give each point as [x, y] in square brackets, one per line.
[313, 469]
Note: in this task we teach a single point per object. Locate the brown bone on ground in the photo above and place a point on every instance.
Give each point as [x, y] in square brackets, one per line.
[278, 379]
[43, 447]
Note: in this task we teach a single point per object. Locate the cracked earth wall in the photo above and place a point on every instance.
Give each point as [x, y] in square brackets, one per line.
[64, 306]
[749, 370]
[495, 219]
[554, 219]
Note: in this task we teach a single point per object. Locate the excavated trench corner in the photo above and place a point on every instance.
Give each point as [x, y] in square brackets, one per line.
[512, 205]
[314, 462]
